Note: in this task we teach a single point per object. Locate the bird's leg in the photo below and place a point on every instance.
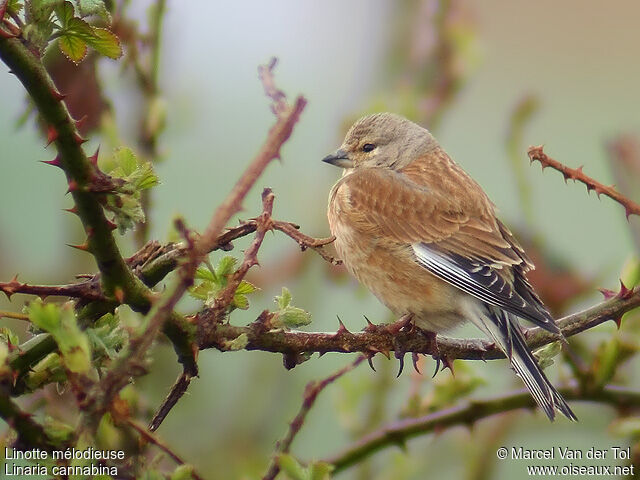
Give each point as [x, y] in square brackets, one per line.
[405, 322]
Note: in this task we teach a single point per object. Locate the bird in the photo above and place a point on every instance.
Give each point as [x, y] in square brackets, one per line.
[414, 228]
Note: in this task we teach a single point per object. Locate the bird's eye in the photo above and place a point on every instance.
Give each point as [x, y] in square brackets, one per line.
[367, 147]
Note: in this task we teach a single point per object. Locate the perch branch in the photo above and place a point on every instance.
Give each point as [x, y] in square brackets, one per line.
[311, 392]
[576, 174]
[374, 339]
[466, 414]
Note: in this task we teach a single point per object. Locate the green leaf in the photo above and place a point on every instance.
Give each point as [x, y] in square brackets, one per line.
[138, 175]
[9, 337]
[73, 47]
[37, 11]
[60, 433]
[292, 468]
[64, 11]
[183, 472]
[284, 300]
[287, 315]
[203, 273]
[545, 354]
[321, 470]
[225, 267]
[94, 7]
[61, 323]
[105, 42]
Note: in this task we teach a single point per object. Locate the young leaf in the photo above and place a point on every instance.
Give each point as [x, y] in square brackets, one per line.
[105, 42]
[287, 315]
[73, 47]
[94, 7]
[60, 322]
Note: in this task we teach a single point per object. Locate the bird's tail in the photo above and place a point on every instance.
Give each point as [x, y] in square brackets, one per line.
[503, 328]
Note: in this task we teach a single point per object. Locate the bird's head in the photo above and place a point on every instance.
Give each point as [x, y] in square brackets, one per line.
[382, 140]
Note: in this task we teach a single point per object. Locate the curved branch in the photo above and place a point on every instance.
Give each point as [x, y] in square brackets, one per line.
[374, 339]
[397, 433]
[576, 174]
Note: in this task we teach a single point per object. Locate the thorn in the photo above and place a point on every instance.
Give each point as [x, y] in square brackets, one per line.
[447, 363]
[118, 293]
[54, 163]
[52, 135]
[78, 138]
[386, 353]
[370, 360]
[94, 158]
[80, 121]
[341, 329]
[72, 186]
[83, 246]
[57, 95]
[437, 359]
[414, 359]
[111, 225]
[370, 326]
[628, 212]
[608, 294]
[400, 356]
[73, 210]
[624, 292]
[617, 321]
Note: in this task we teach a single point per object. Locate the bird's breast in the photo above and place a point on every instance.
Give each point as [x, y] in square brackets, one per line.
[388, 268]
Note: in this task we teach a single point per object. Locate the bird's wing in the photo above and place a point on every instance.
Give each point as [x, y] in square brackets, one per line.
[452, 230]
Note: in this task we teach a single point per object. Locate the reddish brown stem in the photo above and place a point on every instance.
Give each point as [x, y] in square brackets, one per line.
[576, 174]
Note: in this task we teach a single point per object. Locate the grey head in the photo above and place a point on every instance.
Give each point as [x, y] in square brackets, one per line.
[382, 140]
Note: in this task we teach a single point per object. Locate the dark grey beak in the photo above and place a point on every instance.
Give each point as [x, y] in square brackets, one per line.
[339, 158]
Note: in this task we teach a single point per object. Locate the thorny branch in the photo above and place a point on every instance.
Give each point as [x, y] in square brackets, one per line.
[466, 414]
[382, 339]
[311, 392]
[576, 174]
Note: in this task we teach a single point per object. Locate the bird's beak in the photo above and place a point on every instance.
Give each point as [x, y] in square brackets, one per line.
[339, 158]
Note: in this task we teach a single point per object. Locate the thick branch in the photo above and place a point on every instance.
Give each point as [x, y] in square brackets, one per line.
[397, 433]
[576, 174]
[116, 276]
[375, 339]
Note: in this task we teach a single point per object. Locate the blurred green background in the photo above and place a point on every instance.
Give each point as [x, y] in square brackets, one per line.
[578, 58]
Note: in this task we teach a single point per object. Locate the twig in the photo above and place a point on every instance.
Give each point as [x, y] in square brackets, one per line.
[397, 433]
[374, 339]
[16, 315]
[224, 299]
[305, 241]
[265, 223]
[576, 174]
[279, 106]
[150, 437]
[117, 377]
[311, 392]
[177, 391]
[88, 291]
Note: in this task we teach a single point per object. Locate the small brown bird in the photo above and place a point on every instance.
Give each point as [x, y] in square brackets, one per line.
[421, 234]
